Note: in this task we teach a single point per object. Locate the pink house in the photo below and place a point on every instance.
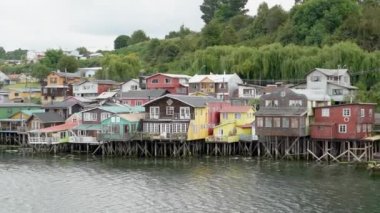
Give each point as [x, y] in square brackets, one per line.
[173, 83]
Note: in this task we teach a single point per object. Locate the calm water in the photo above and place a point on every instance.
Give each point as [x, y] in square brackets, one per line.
[68, 183]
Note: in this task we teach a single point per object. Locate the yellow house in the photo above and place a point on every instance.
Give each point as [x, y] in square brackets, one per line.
[235, 124]
[198, 127]
[24, 95]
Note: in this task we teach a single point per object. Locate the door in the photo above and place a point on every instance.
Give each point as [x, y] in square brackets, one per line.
[126, 130]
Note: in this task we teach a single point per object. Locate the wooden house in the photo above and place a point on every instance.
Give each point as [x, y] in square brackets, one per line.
[91, 89]
[121, 126]
[58, 86]
[140, 97]
[44, 120]
[235, 124]
[91, 125]
[282, 113]
[333, 82]
[131, 85]
[168, 117]
[343, 122]
[24, 95]
[173, 83]
[221, 86]
[65, 108]
[52, 135]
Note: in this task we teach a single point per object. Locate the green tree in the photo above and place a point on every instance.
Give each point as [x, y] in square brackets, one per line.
[52, 58]
[83, 51]
[68, 63]
[183, 31]
[211, 34]
[2, 53]
[40, 71]
[119, 67]
[121, 41]
[222, 9]
[138, 36]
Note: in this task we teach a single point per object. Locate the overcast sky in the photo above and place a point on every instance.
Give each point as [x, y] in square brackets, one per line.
[68, 24]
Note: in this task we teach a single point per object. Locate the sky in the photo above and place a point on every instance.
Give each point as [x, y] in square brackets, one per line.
[67, 24]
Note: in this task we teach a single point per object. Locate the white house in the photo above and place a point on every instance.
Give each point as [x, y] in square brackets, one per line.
[88, 72]
[91, 89]
[333, 82]
[131, 85]
[250, 91]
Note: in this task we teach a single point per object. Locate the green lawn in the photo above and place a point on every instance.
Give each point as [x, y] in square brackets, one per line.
[22, 85]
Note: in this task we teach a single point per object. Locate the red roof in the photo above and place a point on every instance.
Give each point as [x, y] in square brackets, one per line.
[58, 128]
[235, 108]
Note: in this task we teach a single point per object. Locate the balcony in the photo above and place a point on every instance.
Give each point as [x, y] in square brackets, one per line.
[117, 136]
[47, 140]
[175, 116]
[180, 136]
[223, 139]
[83, 139]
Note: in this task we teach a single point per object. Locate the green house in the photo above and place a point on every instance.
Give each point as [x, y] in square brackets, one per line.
[121, 126]
[8, 109]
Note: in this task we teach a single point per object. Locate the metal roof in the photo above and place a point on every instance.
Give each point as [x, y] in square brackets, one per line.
[143, 94]
[235, 108]
[94, 127]
[19, 105]
[194, 101]
[48, 117]
[63, 104]
[214, 77]
[57, 128]
[171, 75]
[282, 111]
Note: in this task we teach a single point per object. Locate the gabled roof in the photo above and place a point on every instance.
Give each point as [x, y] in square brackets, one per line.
[31, 111]
[105, 95]
[133, 79]
[235, 108]
[217, 78]
[63, 104]
[194, 101]
[48, 117]
[344, 86]
[110, 82]
[19, 105]
[313, 94]
[171, 75]
[57, 128]
[80, 99]
[133, 117]
[330, 72]
[120, 109]
[143, 94]
[67, 74]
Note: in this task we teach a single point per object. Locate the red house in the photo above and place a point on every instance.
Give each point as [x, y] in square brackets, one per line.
[346, 121]
[173, 83]
[213, 113]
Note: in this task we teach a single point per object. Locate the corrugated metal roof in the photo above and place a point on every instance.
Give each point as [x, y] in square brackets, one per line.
[106, 95]
[332, 72]
[194, 101]
[58, 128]
[30, 112]
[235, 108]
[94, 127]
[214, 77]
[48, 117]
[282, 111]
[19, 105]
[122, 109]
[171, 75]
[143, 94]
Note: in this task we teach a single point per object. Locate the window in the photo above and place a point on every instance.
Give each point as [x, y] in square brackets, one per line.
[184, 112]
[53, 80]
[225, 115]
[337, 92]
[370, 112]
[277, 122]
[138, 103]
[362, 113]
[104, 115]
[294, 123]
[169, 110]
[154, 112]
[260, 122]
[325, 112]
[268, 122]
[296, 103]
[358, 128]
[167, 80]
[248, 92]
[133, 87]
[154, 81]
[364, 127]
[369, 127]
[89, 116]
[35, 125]
[285, 122]
[271, 103]
[346, 112]
[237, 115]
[315, 78]
[342, 128]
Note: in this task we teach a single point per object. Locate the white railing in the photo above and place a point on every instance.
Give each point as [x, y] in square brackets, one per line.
[46, 140]
[82, 139]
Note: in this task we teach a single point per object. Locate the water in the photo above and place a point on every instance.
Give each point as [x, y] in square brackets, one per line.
[68, 183]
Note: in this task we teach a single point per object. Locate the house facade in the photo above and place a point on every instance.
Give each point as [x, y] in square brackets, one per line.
[168, 117]
[347, 121]
[173, 83]
[131, 85]
[24, 95]
[44, 120]
[65, 109]
[221, 86]
[91, 89]
[282, 113]
[140, 97]
[333, 82]
[58, 86]
[121, 126]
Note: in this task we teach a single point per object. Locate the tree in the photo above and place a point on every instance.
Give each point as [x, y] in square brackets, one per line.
[119, 67]
[2, 53]
[83, 51]
[211, 34]
[40, 71]
[208, 9]
[52, 58]
[138, 36]
[121, 41]
[222, 9]
[68, 63]
[183, 31]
